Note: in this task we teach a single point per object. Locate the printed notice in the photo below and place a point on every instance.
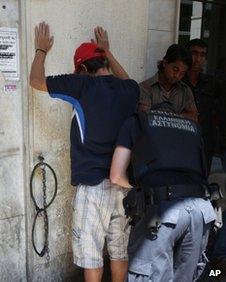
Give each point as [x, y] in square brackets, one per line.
[9, 53]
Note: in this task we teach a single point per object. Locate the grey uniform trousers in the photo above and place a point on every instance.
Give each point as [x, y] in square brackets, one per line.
[178, 252]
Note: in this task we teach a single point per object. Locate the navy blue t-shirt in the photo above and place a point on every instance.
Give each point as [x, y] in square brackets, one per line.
[101, 104]
[129, 133]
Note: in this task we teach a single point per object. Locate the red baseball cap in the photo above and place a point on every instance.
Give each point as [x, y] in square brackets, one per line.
[87, 51]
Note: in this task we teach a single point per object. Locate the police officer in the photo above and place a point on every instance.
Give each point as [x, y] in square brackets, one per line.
[171, 212]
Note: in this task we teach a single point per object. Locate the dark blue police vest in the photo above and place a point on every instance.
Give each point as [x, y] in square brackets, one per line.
[167, 143]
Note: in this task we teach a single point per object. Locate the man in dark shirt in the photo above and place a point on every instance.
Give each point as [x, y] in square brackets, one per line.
[210, 98]
[101, 102]
[206, 92]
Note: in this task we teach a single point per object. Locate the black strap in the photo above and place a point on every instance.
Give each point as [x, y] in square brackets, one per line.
[170, 192]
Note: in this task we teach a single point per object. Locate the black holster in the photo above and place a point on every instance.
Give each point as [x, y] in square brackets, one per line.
[137, 205]
[134, 205]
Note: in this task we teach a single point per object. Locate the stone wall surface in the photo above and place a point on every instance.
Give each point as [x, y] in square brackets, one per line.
[162, 28]
[12, 206]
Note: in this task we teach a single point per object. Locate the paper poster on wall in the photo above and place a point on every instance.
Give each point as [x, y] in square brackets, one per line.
[9, 53]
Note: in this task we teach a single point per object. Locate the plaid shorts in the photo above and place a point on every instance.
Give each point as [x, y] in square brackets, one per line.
[98, 215]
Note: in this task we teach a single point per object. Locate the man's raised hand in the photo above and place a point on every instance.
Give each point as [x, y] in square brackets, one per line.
[43, 40]
[102, 38]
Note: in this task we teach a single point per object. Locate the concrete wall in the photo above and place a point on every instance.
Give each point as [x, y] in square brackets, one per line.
[12, 206]
[162, 31]
[32, 123]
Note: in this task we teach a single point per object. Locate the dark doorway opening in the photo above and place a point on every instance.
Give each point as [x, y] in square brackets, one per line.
[206, 20]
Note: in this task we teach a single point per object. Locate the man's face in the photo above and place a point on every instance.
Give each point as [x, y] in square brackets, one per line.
[198, 57]
[174, 71]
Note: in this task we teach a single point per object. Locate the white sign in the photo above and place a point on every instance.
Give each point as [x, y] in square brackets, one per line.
[9, 53]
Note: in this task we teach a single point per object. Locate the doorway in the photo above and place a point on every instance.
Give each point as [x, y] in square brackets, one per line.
[206, 20]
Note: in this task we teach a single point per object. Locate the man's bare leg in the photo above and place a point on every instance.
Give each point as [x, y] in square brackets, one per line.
[118, 270]
[93, 275]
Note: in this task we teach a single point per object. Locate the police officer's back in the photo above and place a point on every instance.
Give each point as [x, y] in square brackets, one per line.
[171, 223]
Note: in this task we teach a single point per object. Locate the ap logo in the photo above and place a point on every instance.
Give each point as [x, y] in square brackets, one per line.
[215, 272]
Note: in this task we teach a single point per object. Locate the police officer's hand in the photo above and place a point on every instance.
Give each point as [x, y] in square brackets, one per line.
[102, 38]
[43, 40]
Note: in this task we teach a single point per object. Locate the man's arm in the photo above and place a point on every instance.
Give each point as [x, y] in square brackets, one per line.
[145, 101]
[103, 42]
[120, 163]
[190, 110]
[43, 43]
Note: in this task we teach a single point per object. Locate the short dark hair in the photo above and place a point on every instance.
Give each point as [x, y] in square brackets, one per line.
[93, 65]
[176, 53]
[196, 42]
